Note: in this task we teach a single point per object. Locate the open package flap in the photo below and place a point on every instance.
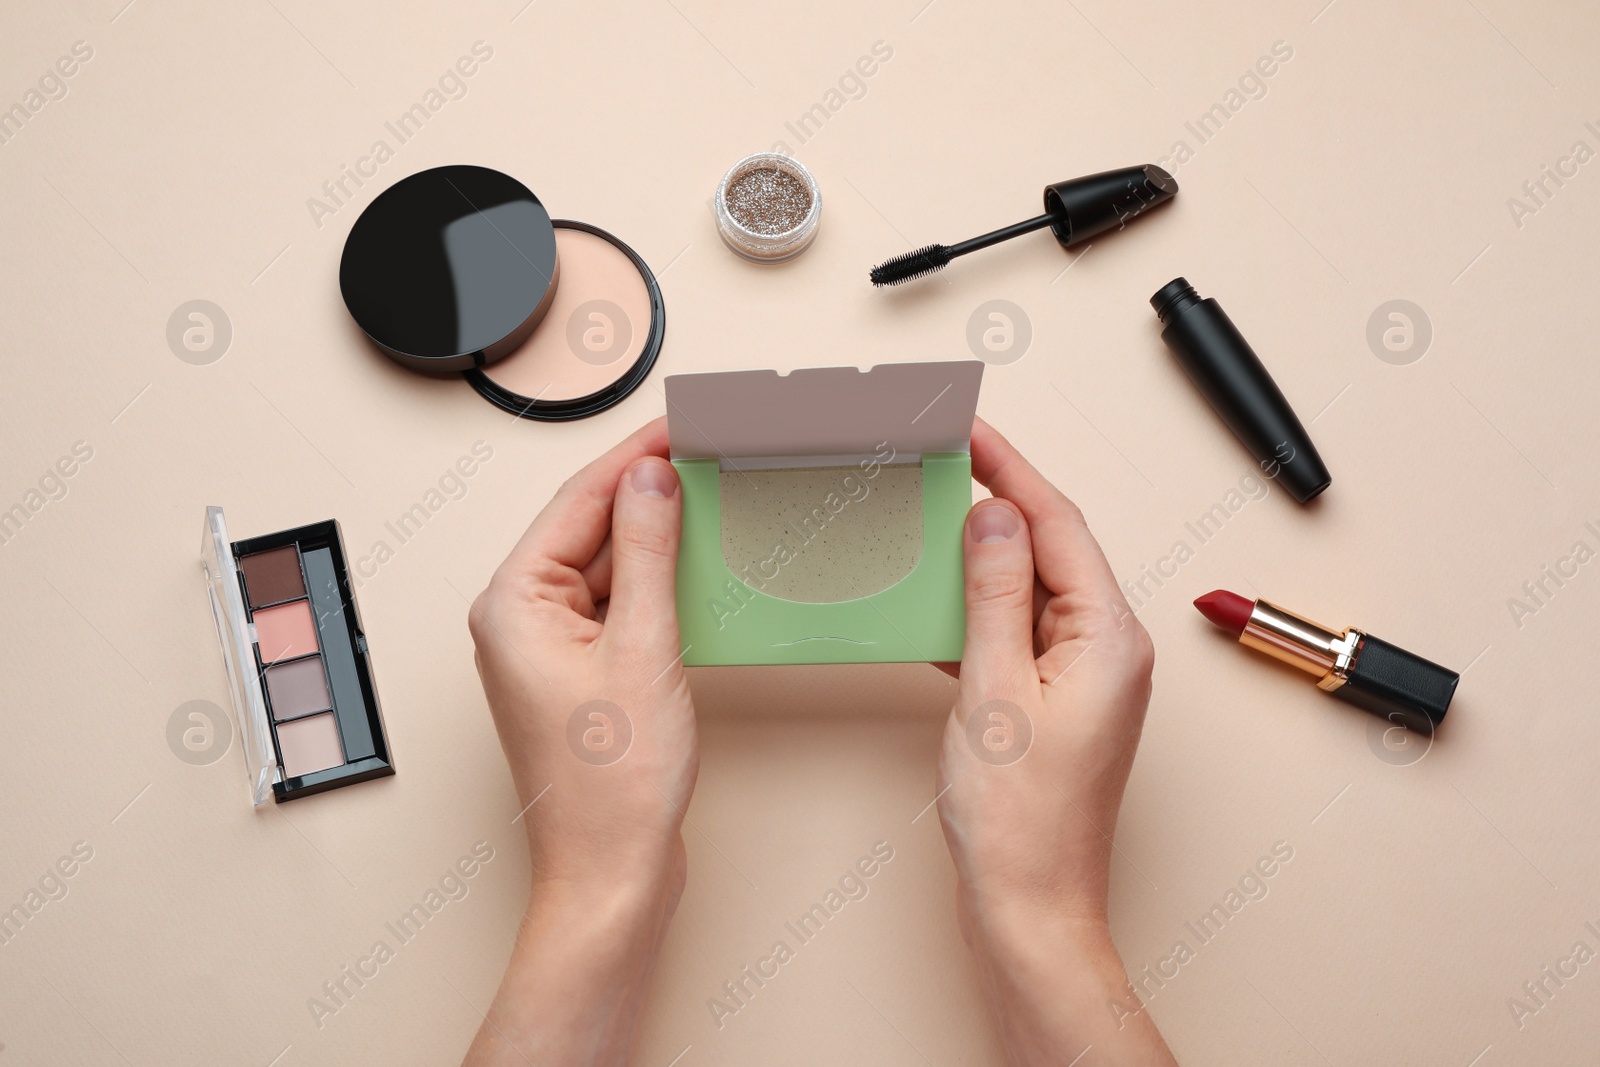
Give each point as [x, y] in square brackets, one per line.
[823, 512]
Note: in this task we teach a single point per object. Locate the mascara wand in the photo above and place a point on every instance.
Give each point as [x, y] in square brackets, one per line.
[1075, 211]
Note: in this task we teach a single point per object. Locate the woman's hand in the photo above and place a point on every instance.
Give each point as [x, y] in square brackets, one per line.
[577, 647]
[1054, 678]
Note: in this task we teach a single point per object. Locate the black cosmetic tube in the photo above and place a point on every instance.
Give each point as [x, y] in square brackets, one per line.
[1222, 366]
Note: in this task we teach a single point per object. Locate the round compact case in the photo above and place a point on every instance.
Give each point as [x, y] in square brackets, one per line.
[461, 269]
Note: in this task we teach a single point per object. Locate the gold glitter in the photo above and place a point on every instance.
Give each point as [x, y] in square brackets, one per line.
[768, 201]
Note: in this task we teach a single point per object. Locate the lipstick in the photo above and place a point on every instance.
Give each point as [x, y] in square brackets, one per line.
[1354, 666]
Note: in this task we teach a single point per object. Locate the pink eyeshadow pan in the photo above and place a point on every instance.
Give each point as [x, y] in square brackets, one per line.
[285, 631]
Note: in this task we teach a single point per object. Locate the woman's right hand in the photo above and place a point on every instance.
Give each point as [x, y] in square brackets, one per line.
[1055, 678]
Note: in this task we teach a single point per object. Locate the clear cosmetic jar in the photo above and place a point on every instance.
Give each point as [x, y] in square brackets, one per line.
[768, 207]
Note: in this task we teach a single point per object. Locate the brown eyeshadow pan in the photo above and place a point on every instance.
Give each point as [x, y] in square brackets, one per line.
[273, 575]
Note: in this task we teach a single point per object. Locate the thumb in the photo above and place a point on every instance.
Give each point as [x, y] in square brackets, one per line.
[645, 527]
[998, 553]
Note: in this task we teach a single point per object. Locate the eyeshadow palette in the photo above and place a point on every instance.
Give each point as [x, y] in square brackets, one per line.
[296, 658]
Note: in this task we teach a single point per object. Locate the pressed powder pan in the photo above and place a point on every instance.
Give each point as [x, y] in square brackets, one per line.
[601, 335]
[460, 268]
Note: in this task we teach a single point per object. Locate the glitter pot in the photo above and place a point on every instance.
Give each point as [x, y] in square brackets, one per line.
[768, 207]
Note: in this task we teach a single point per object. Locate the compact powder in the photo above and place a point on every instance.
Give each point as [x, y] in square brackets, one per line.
[461, 268]
[297, 688]
[273, 576]
[285, 631]
[598, 325]
[309, 745]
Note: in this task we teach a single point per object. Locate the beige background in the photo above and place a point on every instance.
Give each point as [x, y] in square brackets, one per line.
[1423, 892]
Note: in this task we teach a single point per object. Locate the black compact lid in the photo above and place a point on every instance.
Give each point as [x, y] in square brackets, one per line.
[451, 268]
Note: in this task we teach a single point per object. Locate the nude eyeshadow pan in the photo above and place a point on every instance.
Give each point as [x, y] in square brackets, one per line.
[309, 745]
[297, 659]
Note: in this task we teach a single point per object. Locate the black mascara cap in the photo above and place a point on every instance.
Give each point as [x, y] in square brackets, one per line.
[1084, 207]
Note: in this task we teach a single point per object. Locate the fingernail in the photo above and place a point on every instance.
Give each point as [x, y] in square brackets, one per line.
[992, 524]
[654, 479]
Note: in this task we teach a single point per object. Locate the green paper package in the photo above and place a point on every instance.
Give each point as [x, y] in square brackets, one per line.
[823, 511]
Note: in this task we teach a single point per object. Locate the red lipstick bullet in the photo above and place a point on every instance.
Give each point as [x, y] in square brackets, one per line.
[1228, 610]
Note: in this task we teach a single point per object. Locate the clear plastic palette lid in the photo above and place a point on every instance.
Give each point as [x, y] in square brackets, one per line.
[238, 657]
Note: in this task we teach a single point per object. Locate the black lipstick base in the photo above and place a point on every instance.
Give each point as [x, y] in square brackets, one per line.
[1398, 685]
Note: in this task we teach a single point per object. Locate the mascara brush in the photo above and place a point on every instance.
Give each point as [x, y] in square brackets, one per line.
[1075, 211]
